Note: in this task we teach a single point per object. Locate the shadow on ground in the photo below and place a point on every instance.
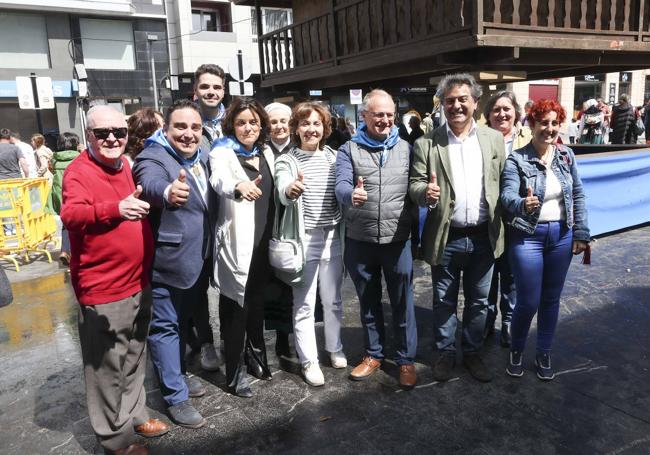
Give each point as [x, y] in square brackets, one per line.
[598, 404]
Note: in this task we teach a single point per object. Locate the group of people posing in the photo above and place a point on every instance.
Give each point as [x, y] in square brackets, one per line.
[213, 188]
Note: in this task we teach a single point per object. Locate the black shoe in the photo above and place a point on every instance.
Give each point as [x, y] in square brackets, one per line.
[195, 388]
[242, 392]
[505, 335]
[543, 367]
[444, 366]
[477, 368]
[185, 415]
[515, 366]
[240, 385]
[256, 362]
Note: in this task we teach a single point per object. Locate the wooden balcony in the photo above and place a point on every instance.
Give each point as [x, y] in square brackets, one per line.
[363, 41]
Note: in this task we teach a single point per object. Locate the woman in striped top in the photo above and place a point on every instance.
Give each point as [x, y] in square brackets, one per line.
[314, 185]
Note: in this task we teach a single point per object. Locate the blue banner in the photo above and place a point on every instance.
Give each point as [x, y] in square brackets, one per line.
[617, 189]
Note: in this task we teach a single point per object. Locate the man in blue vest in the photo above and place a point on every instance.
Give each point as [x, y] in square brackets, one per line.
[372, 186]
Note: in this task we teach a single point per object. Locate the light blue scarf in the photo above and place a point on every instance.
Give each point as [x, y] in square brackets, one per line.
[232, 143]
[159, 138]
[362, 137]
[214, 122]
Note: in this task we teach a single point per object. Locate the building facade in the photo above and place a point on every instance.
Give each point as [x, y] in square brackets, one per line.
[213, 31]
[111, 42]
[127, 53]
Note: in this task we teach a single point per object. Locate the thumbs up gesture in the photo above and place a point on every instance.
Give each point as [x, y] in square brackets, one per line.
[250, 190]
[296, 188]
[131, 208]
[531, 203]
[432, 194]
[359, 194]
[179, 191]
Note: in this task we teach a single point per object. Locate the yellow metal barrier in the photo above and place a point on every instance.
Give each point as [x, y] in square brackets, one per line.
[26, 227]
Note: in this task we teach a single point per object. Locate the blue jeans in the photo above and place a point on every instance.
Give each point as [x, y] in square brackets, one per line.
[503, 284]
[172, 310]
[365, 262]
[473, 256]
[539, 263]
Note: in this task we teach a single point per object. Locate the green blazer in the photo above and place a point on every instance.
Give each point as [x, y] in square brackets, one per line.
[431, 154]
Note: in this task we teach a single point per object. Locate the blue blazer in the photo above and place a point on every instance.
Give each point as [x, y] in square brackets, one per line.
[184, 235]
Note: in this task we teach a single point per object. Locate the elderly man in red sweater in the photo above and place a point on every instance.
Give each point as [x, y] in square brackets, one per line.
[110, 266]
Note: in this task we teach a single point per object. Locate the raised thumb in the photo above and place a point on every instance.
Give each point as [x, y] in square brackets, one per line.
[181, 176]
[530, 192]
[433, 179]
[301, 176]
[258, 180]
[360, 182]
[138, 191]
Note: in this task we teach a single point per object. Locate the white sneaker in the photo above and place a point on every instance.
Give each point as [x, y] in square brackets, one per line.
[210, 359]
[313, 375]
[338, 359]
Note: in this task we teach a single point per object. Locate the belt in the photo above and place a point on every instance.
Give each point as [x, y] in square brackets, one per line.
[469, 230]
[322, 228]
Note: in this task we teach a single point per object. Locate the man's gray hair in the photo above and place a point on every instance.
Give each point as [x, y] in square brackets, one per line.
[90, 115]
[372, 94]
[453, 80]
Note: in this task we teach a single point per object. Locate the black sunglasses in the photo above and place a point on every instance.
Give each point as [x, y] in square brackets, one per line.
[103, 133]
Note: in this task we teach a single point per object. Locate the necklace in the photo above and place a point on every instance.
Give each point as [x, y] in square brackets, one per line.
[547, 156]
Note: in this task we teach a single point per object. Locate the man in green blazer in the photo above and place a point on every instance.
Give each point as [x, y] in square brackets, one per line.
[455, 172]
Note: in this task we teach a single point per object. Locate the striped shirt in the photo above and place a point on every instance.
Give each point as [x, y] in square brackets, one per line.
[320, 208]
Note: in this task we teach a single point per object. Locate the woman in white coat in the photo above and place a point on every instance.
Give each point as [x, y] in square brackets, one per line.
[242, 175]
[312, 182]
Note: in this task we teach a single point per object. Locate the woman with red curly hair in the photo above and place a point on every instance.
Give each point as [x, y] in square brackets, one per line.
[544, 201]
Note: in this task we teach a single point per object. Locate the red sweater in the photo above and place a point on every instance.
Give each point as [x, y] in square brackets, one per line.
[110, 257]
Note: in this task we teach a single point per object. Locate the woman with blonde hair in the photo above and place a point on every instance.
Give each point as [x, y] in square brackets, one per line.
[43, 156]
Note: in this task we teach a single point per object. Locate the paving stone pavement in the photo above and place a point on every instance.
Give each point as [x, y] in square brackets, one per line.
[598, 404]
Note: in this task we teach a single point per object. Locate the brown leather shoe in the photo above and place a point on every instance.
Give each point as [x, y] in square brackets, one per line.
[133, 449]
[407, 376]
[152, 428]
[367, 367]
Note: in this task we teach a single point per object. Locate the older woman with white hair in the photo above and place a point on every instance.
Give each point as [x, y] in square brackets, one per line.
[279, 115]
[278, 305]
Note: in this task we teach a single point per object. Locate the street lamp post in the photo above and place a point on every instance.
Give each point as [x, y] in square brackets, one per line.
[154, 84]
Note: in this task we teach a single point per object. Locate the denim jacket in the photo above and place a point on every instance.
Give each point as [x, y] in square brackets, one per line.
[523, 169]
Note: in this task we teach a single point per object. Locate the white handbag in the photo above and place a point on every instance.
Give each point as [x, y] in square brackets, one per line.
[285, 255]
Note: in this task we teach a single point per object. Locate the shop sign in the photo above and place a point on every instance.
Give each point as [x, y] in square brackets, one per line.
[593, 77]
[356, 96]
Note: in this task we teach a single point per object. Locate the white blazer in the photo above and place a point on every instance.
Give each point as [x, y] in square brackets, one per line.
[235, 228]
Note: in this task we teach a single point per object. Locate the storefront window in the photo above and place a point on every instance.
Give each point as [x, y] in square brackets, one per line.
[587, 87]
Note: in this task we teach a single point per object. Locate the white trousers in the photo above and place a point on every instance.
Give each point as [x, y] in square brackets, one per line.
[323, 271]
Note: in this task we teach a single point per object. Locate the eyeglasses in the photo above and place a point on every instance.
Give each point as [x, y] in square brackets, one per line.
[103, 133]
[381, 115]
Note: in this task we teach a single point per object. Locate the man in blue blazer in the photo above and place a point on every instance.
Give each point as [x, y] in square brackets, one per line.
[174, 174]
